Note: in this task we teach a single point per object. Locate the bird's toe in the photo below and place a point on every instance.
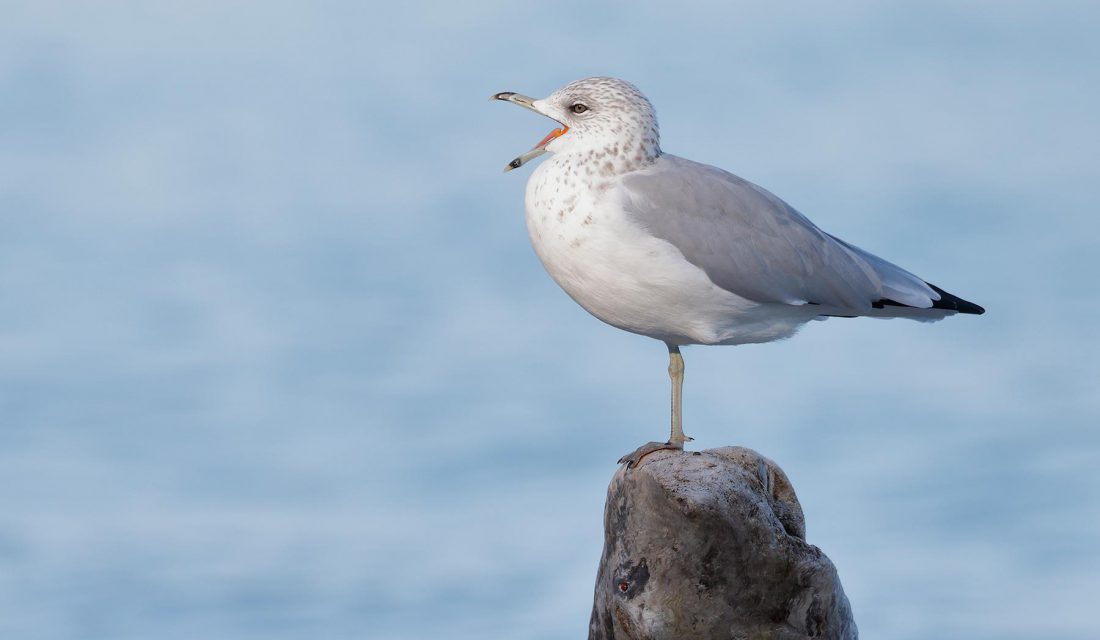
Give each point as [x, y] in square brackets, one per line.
[634, 458]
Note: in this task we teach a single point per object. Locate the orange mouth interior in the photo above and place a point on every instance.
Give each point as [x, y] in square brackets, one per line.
[556, 133]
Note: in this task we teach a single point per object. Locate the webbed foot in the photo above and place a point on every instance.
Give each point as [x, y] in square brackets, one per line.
[633, 458]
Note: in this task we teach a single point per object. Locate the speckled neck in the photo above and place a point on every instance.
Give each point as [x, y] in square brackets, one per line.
[627, 153]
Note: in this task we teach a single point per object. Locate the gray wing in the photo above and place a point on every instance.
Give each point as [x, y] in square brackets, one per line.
[753, 244]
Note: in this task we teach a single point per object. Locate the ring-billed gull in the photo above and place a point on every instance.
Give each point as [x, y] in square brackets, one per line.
[685, 252]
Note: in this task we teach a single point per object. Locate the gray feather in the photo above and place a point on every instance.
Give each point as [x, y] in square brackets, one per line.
[753, 244]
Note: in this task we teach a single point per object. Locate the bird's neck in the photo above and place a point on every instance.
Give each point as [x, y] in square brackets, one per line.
[607, 159]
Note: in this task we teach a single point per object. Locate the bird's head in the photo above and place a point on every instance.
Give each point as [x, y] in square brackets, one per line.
[599, 114]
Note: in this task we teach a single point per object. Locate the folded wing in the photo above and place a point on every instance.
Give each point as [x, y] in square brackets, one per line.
[753, 244]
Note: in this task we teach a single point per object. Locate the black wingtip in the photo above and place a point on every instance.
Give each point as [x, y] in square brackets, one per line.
[954, 303]
[947, 301]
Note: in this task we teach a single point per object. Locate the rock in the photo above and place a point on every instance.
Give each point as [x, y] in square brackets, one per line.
[712, 544]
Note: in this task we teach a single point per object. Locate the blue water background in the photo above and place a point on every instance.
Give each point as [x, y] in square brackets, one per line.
[277, 360]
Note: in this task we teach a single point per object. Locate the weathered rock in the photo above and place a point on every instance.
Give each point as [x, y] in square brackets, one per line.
[712, 545]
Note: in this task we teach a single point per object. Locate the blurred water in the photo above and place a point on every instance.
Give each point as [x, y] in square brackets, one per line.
[276, 359]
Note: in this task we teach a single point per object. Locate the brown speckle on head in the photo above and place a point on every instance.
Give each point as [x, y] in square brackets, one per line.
[618, 120]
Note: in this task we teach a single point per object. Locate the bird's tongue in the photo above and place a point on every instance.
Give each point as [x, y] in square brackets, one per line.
[550, 136]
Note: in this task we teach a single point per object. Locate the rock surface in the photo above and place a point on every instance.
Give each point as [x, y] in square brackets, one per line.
[712, 544]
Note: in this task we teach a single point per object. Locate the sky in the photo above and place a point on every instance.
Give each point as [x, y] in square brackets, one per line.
[277, 359]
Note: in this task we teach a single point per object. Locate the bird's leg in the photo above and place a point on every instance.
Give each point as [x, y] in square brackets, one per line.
[676, 374]
[677, 438]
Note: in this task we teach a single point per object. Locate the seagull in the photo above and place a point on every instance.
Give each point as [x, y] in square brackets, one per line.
[684, 252]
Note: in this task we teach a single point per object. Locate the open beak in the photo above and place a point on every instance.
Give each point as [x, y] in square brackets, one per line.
[538, 149]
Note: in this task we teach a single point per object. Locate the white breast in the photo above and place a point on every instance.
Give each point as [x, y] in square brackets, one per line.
[628, 278]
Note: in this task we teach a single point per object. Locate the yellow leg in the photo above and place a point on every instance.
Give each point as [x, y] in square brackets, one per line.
[676, 374]
[677, 439]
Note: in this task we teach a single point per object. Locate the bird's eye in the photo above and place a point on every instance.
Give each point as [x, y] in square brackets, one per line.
[579, 108]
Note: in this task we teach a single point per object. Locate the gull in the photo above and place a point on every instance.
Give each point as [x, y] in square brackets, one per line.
[684, 252]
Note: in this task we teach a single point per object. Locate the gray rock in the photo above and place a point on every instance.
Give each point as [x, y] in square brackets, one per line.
[712, 545]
